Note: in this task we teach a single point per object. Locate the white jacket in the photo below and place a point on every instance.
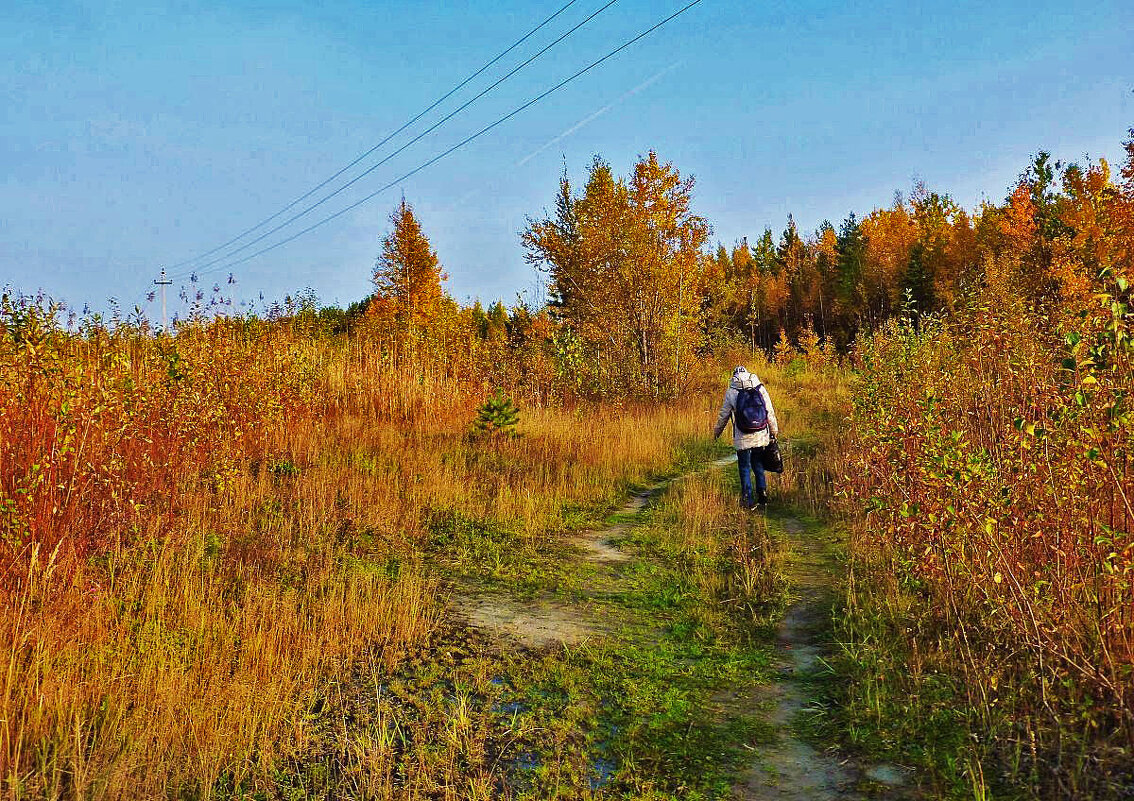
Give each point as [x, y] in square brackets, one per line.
[742, 441]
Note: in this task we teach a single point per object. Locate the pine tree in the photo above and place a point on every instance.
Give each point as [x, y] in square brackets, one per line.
[497, 416]
[407, 275]
[918, 282]
[851, 264]
[497, 322]
[479, 320]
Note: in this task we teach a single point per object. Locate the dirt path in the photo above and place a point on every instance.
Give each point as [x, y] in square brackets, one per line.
[788, 769]
[546, 621]
[792, 769]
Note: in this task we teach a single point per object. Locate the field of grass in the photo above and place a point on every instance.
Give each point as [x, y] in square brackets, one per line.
[624, 714]
[645, 709]
[225, 551]
[200, 532]
[229, 561]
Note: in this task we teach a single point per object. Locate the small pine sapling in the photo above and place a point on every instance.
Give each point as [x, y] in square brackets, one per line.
[497, 416]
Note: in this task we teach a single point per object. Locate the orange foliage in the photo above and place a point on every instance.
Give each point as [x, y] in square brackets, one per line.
[992, 470]
[890, 236]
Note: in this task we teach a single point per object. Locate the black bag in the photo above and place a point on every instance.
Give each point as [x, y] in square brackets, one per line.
[751, 414]
[771, 458]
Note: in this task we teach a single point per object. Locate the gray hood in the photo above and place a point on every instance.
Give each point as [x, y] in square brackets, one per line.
[744, 380]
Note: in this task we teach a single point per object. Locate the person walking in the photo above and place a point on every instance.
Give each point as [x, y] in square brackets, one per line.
[754, 426]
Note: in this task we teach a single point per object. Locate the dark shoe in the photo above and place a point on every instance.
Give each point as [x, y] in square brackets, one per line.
[762, 500]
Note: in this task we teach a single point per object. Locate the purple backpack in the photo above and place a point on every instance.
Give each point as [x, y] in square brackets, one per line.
[751, 414]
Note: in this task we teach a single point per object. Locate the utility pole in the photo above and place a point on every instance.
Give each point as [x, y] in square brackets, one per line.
[163, 282]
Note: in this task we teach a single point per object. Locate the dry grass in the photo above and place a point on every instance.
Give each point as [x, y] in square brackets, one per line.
[197, 530]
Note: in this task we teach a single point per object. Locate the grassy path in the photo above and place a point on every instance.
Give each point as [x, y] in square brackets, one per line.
[660, 655]
[548, 620]
[794, 767]
[785, 765]
[791, 768]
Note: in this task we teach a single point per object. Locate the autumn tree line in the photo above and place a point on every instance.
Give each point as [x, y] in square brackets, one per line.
[636, 292]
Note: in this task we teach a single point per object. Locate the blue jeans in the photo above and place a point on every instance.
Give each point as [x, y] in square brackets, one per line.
[748, 460]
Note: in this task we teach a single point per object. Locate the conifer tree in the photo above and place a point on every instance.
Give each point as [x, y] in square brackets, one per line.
[497, 322]
[408, 275]
[918, 282]
[479, 320]
[851, 263]
[497, 416]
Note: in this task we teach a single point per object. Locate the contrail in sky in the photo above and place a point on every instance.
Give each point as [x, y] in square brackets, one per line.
[595, 115]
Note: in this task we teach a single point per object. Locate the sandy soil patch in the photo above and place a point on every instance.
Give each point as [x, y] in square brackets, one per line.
[534, 624]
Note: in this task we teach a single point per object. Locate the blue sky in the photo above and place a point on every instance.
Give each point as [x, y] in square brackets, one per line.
[137, 134]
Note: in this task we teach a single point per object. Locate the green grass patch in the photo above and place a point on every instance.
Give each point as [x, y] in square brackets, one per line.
[642, 713]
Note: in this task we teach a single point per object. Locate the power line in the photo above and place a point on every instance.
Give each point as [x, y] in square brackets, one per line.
[405, 125]
[400, 149]
[460, 144]
[406, 145]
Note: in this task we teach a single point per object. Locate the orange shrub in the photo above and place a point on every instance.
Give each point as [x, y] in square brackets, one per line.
[993, 462]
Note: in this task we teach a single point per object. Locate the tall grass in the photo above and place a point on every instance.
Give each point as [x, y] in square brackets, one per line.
[197, 529]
